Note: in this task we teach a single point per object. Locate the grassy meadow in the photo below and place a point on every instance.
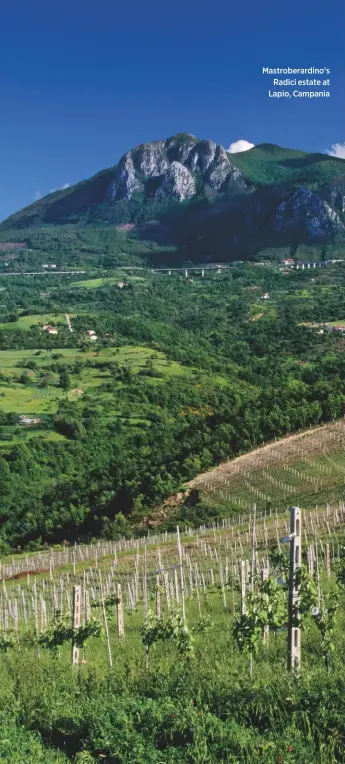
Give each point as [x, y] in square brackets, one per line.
[35, 400]
[27, 322]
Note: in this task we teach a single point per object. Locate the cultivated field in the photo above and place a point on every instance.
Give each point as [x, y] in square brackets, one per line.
[38, 319]
[107, 280]
[304, 469]
[13, 361]
[33, 399]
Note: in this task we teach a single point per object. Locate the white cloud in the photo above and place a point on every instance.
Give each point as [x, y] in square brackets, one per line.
[60, 188]
[337, 150]
[38, 196]
[241, 145]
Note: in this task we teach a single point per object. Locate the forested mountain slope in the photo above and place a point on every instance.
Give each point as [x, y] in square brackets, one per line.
[184, 374]
[193, 195]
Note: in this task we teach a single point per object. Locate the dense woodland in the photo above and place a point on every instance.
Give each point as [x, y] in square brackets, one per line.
[238, 372]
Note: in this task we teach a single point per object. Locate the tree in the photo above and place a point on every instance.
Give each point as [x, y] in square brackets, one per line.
[5, 480]
[64, 379]
[31, 364]
[24, 378]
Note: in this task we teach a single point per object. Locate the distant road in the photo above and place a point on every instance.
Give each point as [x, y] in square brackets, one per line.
[184, 269]
[302, 265]
[41, 273]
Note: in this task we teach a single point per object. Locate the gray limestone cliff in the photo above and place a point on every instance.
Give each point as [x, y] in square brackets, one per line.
[175, 167]
[232, 204]
[304, 212]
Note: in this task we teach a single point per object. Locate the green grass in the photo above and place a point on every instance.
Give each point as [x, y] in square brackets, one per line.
[135, 355]
[34, 400]
[29, 400]
[95, 283]
[203, 708]
[267, 164]
[21, 434]
[27, 322]
[106, 281]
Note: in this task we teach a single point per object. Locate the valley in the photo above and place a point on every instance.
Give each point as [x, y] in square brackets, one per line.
[172, 380]
[167, 376]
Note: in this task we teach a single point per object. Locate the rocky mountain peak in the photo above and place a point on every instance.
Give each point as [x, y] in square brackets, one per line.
[175, 164]
[268, 196]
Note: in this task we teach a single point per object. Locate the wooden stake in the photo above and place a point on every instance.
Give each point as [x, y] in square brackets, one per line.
[119, 612]
[145, 581]
[252, 567]
[328, 560]
[76, 621]
[181, 575]
[243, 586]
[166, 589]
[264, 577]
[294, 632]
[110, 659]
[158, 597]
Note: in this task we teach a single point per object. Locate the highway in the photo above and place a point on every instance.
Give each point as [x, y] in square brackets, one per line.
[41, 273]
[301, 265]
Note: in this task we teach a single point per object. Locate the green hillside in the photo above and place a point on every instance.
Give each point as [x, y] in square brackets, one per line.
[267, 164]
[63, 205]
[175, 201]
[86, 204]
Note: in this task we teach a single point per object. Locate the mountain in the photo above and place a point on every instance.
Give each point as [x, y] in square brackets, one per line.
[194, 196]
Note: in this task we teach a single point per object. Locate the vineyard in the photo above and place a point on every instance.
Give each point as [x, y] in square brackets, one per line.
[120, 583]
[305, 469]
[213, 604]
[166, 571]
[47, 393]
[209, 644]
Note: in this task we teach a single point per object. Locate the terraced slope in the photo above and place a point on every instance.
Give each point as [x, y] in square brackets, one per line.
[305, 469]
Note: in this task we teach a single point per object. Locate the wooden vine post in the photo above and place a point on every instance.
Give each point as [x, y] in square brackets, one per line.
[119, 612]
[328, 560]
[252, 565]
[243, 587]
[106, 627]
[158, 596]
[76, 621]
[179, 549]
[264, 577]
[294, 632]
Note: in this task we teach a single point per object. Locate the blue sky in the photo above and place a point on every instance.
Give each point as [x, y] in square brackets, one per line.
[81, 82]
